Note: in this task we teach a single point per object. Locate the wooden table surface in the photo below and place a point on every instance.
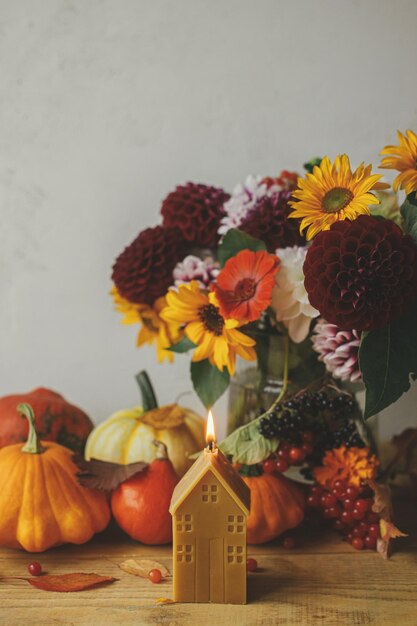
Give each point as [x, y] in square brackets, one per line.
[324, 581]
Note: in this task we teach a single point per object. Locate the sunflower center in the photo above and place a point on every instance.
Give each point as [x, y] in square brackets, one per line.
[336, 199]
[212, 319]
[245, 289]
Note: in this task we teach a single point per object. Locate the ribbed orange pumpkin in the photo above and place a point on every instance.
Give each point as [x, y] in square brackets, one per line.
[41, 503]
[277, 504]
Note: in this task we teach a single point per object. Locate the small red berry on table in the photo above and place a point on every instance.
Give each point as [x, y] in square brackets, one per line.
[155, 576]
[35, 568]
[251, 565]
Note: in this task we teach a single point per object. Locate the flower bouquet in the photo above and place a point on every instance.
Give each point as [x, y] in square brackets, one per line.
[329, 260]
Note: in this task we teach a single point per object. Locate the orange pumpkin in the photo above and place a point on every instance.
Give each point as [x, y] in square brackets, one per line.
[56, 420]
[277, 504]
[140, 505]
[41, 502]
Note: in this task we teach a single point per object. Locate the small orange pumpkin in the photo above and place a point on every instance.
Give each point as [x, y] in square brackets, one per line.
[41, 502]
[140, 505]
[276, 505]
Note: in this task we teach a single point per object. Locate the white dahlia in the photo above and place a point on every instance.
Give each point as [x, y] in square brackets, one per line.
[289, 296]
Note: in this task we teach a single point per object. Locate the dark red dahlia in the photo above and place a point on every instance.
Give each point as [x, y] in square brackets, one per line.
[143, 271]
[361, 274]
[196, 210]
[268, 221]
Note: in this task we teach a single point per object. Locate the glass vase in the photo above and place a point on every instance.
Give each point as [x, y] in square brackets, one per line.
[280, 363]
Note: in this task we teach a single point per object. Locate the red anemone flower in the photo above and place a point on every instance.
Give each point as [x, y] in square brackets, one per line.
[244, 286]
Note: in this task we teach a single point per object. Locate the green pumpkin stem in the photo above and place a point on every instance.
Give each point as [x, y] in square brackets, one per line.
[161, 449]
[33, 443]
[149, 400]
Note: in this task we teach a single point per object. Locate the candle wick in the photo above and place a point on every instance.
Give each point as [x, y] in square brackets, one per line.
[211, 446]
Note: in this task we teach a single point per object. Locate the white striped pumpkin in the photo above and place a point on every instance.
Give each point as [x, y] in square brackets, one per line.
[127, 436]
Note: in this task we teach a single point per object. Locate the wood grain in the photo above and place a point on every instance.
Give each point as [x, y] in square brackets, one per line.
[323, 582]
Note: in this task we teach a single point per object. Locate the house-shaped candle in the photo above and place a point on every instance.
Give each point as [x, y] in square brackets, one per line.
[209, 508]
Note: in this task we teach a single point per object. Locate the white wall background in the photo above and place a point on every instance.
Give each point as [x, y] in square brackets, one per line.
[105, 105]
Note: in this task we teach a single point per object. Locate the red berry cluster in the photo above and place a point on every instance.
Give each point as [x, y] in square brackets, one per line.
[350, 509]
[288, 454]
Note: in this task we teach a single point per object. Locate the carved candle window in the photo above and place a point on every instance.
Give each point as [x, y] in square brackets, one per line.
[235, 524]
[184, 553]
[184, 523]
[209, 493]
[235, 554]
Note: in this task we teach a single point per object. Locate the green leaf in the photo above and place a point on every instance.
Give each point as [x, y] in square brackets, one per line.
[236, 240]
[184, 345]
[149, 400]
[388, 358]
[246, 445]
[409, 213]
[309, 166]
[208, 381]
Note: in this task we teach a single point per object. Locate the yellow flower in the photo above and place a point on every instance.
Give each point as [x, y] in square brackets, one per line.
[404, 159]
[353, 465]
[216, 337]
[333, 193]
[153, 328]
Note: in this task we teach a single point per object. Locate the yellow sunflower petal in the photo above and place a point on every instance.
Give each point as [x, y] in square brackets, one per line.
[332, 192]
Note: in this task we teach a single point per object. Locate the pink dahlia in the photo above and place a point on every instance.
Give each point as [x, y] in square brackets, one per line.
[204, 271]
[260, 208]
[338, 349]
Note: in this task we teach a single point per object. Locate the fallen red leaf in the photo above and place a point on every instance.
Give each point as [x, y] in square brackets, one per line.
[69, 582]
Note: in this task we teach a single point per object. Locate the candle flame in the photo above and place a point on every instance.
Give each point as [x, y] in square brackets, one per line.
[210, 432]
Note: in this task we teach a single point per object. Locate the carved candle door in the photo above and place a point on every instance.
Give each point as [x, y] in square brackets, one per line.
[216, 571]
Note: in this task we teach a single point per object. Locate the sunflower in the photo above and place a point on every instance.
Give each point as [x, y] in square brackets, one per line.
[404, 159]
[153, 328]
[244, 286]
[332, 193]
[353, 465]
[216, 337]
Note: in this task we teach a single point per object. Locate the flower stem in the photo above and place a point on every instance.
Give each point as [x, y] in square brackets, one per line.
[284, 375]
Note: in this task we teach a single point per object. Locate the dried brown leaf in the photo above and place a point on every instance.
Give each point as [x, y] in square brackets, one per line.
[383, 507]
[69, 582]
[142, 567]
[103, 475]
[165, 601]
[382, 499]
[390, 531]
